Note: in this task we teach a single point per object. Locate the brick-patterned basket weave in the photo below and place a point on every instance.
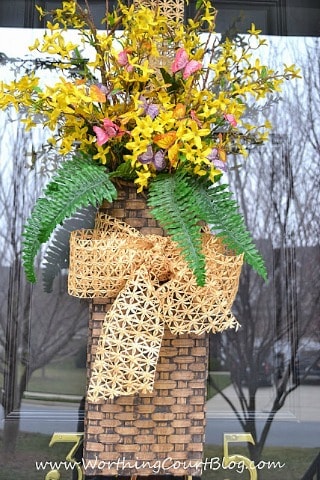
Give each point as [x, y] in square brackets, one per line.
[155, 433]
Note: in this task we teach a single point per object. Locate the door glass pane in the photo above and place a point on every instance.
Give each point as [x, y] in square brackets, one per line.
[268, 371]
[43, 335]
[265, 378]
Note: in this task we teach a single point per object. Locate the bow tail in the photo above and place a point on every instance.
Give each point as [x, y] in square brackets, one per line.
[129, 344]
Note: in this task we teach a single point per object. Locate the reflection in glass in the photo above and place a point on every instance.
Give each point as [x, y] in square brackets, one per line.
[262, 366]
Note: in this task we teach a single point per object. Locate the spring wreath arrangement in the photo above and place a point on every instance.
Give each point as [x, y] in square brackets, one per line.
[160, 105]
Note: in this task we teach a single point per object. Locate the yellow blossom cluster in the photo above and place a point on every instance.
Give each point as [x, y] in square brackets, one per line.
[119, 106]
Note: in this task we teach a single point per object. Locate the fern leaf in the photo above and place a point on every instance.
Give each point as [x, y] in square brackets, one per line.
[172, 204]
[56, 257]
[78, 183]
[124, 171]
[216, 207]
[179, 202]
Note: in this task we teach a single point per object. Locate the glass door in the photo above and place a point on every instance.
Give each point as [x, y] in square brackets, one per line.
[263, 415]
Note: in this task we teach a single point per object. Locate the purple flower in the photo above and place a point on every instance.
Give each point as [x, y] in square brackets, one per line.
[103, 88]
[214, 157]
[151, 109]
[157, 158]
[220, 165]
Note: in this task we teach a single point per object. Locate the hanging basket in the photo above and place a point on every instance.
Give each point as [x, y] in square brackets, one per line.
[147, 371]
[161, 432]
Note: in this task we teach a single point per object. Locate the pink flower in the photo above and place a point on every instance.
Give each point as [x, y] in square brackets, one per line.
[109, 130]
[230, 118]
[183, 64]
[195, 118]
[123, 60]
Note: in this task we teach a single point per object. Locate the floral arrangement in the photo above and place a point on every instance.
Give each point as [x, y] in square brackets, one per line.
[157, 103]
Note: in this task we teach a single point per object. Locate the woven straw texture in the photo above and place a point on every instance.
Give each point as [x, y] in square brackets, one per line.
[136, 434]
[152, 286]
[172, 9]
[129, 343]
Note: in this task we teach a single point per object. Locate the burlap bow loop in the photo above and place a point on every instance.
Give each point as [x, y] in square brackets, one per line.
[152, 286]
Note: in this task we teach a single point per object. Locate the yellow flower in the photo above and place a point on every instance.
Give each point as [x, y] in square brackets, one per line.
[40, 10]
[253, 31]
[101, 154]
[143, 178]
[151, 107]
[173, 152]
[292, 71]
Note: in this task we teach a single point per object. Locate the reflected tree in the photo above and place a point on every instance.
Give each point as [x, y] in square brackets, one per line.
[278, 190]
[35, 327]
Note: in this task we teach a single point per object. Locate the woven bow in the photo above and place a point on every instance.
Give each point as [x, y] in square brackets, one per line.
[152, 286]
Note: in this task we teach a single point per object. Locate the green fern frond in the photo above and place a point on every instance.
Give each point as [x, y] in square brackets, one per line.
[180, 202]
[124, 171]
[56, 256]
[78, 183]
[172, 204]
[216, 207]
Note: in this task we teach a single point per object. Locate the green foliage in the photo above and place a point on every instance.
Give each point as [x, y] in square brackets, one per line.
[124, 171]
[78, 183]
[56, 257]
[171, 82]
[171, 200]
[217, 208]
[180, 203]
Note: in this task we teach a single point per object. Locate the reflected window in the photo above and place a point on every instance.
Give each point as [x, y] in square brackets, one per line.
[274, 17]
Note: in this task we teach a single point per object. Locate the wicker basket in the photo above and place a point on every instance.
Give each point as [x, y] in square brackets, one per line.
[160, 432]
